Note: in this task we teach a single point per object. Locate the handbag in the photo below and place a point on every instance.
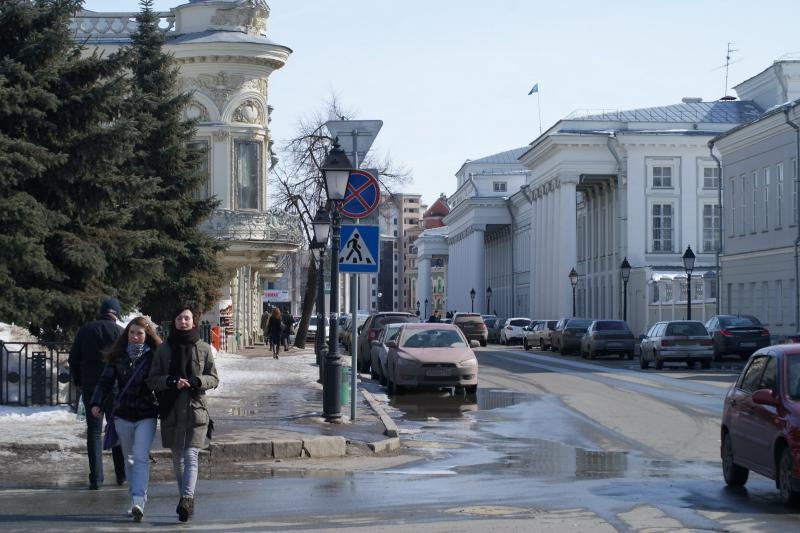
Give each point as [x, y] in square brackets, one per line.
[110, 438]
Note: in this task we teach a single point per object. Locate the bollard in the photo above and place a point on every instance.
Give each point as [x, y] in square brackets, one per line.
[344, 396]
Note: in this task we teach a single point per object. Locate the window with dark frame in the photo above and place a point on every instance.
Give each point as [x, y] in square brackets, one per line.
[248, 174]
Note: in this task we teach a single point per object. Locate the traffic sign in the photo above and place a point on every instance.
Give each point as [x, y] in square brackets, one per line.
[362, 196]
[358, 251]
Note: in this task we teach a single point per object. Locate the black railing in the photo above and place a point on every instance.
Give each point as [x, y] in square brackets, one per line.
[35, 373]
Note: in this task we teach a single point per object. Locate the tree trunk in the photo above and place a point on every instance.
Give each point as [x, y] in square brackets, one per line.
[309, 300]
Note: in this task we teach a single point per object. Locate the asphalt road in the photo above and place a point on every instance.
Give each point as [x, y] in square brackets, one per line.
[550, 443]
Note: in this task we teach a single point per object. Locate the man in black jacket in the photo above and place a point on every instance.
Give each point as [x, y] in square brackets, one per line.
[86, 364]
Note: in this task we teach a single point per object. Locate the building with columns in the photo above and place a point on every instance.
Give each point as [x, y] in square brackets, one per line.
[225, 58]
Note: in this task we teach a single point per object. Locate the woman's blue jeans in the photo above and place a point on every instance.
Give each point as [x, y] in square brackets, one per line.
[136, 439]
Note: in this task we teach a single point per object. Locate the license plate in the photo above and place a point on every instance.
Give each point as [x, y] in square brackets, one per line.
[747, 344]
[615, 345]
[436, 372]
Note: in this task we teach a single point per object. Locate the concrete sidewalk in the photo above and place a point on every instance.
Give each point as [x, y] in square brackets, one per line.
[263, 409]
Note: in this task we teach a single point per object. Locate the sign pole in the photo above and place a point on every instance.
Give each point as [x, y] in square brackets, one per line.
[354, 292]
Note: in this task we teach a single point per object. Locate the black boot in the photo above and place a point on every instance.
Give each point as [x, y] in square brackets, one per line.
[183, 509]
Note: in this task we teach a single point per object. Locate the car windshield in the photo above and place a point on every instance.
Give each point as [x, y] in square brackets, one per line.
[469, 319]
[551, 324]
[434, 338]
[579, 323]
[738, 321]
[793, 377]
[685, 329]
[521, 322]
[611, 325]
[382, 320]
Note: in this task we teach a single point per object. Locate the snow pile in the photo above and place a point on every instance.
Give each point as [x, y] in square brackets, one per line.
[12, 333]
[27, 425]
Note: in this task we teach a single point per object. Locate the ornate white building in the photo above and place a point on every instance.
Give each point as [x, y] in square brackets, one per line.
[225, 59]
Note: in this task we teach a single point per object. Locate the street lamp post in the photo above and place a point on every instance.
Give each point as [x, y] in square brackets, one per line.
[688, 265]
[472, 297]
[625, 269]
[425, 314]
[488, 299]
[573, 279]
[321, 226]
[417, 307]
[336, 171]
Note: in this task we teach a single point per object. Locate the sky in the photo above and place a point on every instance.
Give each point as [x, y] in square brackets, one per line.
[450, 78]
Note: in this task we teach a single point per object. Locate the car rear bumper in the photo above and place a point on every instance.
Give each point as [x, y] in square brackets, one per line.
[614, 346]
[744, 346]
[570, 343]
[682, 354]
[477, 336]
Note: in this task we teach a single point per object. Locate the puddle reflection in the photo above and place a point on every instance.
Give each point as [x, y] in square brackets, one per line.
[448, 405]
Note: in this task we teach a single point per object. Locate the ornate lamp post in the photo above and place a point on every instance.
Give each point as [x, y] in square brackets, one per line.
[472, 297]
[573, 279]
[488, 299]
[688, 265]
[625, 270]
[336, 171]
[322, 227]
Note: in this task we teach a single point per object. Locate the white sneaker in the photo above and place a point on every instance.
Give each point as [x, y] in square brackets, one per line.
[137, 513]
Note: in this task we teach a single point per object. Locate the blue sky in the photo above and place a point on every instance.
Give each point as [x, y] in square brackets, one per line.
[450, 78]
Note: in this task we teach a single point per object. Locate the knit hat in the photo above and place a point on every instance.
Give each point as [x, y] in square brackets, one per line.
[110, 306]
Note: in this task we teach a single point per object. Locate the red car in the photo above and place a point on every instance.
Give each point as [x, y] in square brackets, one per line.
[761, 421]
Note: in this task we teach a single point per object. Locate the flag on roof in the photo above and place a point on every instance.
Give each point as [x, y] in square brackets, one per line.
[534, 89]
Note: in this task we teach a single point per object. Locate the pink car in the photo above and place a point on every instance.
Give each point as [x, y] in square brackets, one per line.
[431, 355]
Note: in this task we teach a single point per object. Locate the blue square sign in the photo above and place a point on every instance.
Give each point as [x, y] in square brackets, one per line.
[358, 248]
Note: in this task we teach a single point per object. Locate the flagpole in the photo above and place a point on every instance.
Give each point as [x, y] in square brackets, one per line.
[539, 105]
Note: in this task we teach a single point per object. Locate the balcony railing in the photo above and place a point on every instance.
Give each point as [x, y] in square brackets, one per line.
[113, 26]
[274, 225]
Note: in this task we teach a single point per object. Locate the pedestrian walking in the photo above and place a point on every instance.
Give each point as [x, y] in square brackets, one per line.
[264, 325]
[86, 363]
[275, 329]
[182, 371]
[135, 409]
[288, 323]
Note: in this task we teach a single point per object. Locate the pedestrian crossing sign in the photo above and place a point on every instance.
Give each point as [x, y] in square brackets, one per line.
[358, 248]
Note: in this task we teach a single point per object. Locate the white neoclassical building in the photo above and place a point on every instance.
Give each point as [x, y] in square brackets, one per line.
[225, 59]
[593, 189]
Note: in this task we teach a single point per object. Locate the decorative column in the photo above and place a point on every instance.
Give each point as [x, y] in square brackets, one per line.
[477, 250]
[424, 284]
[566, 252]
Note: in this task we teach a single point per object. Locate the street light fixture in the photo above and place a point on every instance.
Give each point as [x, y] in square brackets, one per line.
[488, 299]
[336, 171]
[322, 228]
[688, 265]
[472, 297]
[573, 279]
[625, 270]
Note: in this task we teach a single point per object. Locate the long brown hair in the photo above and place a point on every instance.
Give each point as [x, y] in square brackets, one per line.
[276, 313]
[120, 345]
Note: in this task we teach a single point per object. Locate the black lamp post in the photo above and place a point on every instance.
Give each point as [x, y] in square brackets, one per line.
[321, 226]
[573, 279]
[688, 265]
[472, 297]
[625, 269]
[417, 307]
[488, 299]
[336, 171]
[425, 314]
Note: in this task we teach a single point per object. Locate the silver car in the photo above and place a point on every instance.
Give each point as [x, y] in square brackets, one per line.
[685, 341]
[608, 337]
[379, 351]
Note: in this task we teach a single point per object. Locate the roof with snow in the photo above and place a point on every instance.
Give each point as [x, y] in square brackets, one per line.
[507, 157]
[720, 112]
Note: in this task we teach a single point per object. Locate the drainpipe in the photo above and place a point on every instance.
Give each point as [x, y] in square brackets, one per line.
[513, 275]
[797, 209]
[719, 203]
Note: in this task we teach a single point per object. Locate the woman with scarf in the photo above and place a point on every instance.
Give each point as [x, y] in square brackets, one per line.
[135, 411]
[183, 370]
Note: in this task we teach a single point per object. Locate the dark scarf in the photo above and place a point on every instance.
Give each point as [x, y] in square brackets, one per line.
[181, 346]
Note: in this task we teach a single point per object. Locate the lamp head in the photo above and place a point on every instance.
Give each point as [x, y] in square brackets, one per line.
[322, 227]
[336, 171]
[625, 268]
[573, 277]
[688, 260]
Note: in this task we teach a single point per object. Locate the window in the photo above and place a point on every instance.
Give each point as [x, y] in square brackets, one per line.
[744, 205]
[204, 189]
[710, 177]
[755, 201]
[662, 177]
[711, 218]
[662, 227]
[752, 375]
[733, 207]
[779, 211]
[248, 174]
[394, 221]
[769, 380]
[766, 198]
[499, 186]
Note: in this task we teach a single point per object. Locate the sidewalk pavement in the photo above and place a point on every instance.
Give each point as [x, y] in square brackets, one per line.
[263, 409]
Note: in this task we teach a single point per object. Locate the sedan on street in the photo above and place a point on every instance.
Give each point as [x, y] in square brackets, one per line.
[608, 337]
[538, 334]
[569, 337]
[379, 351]
[431, 356]
[472, 326]
[513, 330]
[736, 334]
[684, 341]
[761, 422]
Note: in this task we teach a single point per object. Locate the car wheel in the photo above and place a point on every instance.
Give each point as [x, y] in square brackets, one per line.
[659, 364]
[471, 389]
[644, 364]
[396, 389]
[372, 373]
[542, 345]
[706, 364]
[717, 354]
[789, 496]
[562, 351]
[525, 344]
[484, 343]
[735, 475]
[383, 380]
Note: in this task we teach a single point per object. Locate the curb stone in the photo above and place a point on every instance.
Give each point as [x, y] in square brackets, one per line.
[385, 445]
[390, 428]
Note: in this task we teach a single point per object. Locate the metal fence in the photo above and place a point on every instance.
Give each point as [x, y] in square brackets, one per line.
[35, 373]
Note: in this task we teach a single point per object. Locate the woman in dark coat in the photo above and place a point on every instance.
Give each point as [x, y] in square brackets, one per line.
[183, 370]
[274, 329]
[136, 411]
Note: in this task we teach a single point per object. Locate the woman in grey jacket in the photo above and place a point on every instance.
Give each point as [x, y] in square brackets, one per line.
[182, 370]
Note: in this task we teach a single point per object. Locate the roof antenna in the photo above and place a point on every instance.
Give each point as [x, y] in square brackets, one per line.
[727, 66]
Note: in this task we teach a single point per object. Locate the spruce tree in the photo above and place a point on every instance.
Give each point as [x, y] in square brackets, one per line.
[190, 273]
[65, 204]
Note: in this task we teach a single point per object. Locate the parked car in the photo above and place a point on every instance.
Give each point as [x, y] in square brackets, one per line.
[555, 335]
[608, 337]
[431, 355]
[379, 351]
[538, 334]
[513, 330]
[472, 326]
[684, 341]
[368, 332]
[736, 334]
[311, 332]
[568, 337]
[347, 334]
[760, 428]
[493, 331]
